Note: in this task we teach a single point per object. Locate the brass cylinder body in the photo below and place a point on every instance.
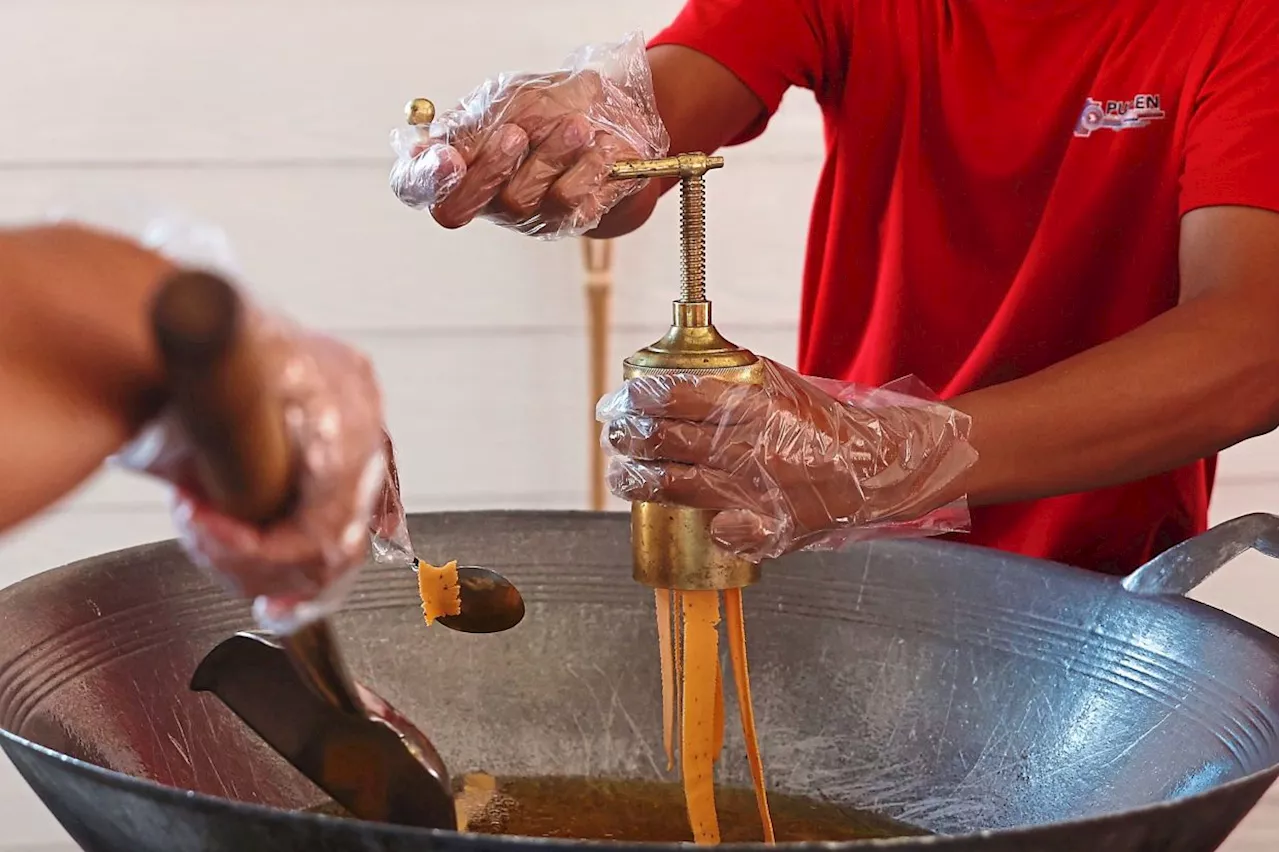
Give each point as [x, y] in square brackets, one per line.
[671, 546]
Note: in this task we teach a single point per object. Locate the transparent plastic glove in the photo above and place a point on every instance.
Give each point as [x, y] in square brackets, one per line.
[532, 151]
[389, 525]
[792, 464]
[300, 567]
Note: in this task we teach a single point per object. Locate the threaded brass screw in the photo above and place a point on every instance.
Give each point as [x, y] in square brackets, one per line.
[693, 239]
[693, 205]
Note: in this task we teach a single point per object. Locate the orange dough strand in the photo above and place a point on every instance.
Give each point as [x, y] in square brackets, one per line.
[667, 650]
[677, 643]
[736, 628]
[697, 734]
[718, 745]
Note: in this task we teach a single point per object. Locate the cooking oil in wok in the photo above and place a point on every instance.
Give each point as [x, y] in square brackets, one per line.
[647, 811]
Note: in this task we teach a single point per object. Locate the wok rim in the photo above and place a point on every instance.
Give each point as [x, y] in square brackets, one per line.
[1171, 599]
[170, 796]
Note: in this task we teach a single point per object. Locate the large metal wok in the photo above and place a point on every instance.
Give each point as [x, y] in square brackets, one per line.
[1003, 702]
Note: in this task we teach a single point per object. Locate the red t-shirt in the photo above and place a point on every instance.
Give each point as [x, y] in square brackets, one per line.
[1002, 189]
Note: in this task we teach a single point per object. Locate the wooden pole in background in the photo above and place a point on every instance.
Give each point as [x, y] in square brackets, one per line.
[597, 260]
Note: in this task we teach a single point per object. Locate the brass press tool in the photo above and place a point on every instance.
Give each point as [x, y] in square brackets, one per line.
[672, 546]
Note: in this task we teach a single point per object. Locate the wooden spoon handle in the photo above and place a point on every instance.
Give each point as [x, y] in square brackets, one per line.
[216, 377]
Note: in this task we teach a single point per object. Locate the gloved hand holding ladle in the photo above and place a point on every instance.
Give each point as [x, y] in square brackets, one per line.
[278, 466]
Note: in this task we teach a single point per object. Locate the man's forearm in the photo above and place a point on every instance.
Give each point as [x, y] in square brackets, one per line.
[74, 303]
[1191, 382]
[78, 374]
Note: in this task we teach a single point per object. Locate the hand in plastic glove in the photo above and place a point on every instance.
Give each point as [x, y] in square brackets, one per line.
[532, 151]
[302, 565]
[792, 464]
[78, 360]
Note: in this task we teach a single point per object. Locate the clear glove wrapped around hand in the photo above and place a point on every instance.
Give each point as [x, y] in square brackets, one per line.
[300, 567]
[532, 152]
[794, 463]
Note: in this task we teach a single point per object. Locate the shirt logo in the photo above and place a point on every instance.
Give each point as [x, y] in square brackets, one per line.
[1139, 111]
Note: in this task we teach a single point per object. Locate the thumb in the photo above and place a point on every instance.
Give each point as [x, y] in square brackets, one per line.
[750, 535]
[425, 179]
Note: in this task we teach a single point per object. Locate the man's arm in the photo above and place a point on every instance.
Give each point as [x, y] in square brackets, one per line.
[722, 67]
[78, 375]
[1189, 383]
[1198, 378]
[702, 117]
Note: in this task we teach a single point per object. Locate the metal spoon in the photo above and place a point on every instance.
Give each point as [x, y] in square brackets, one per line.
[490, 604]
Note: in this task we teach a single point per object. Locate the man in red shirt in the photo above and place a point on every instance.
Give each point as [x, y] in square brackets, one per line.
[1061, 216]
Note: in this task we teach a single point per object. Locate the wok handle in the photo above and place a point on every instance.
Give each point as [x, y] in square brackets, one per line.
[216, 376]
[1183, 567]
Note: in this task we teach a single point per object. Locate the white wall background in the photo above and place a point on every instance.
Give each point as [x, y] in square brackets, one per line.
[270, 118]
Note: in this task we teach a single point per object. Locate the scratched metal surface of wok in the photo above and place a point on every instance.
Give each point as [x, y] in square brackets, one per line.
[958, 689]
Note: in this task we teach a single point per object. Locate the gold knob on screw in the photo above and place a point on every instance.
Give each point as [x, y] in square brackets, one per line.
[420, 111]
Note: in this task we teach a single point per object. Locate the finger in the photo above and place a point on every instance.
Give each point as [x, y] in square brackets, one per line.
[470, 124]
[674, 484]
[464, 133]
[587, 180]
[726, 448]
[220, 532]
[557, 149]
[750, 534]
[497, 162]
[697, 398]
[579, 185]
[428, 177]
[685, 397]
[230, 545]
[521, 100]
